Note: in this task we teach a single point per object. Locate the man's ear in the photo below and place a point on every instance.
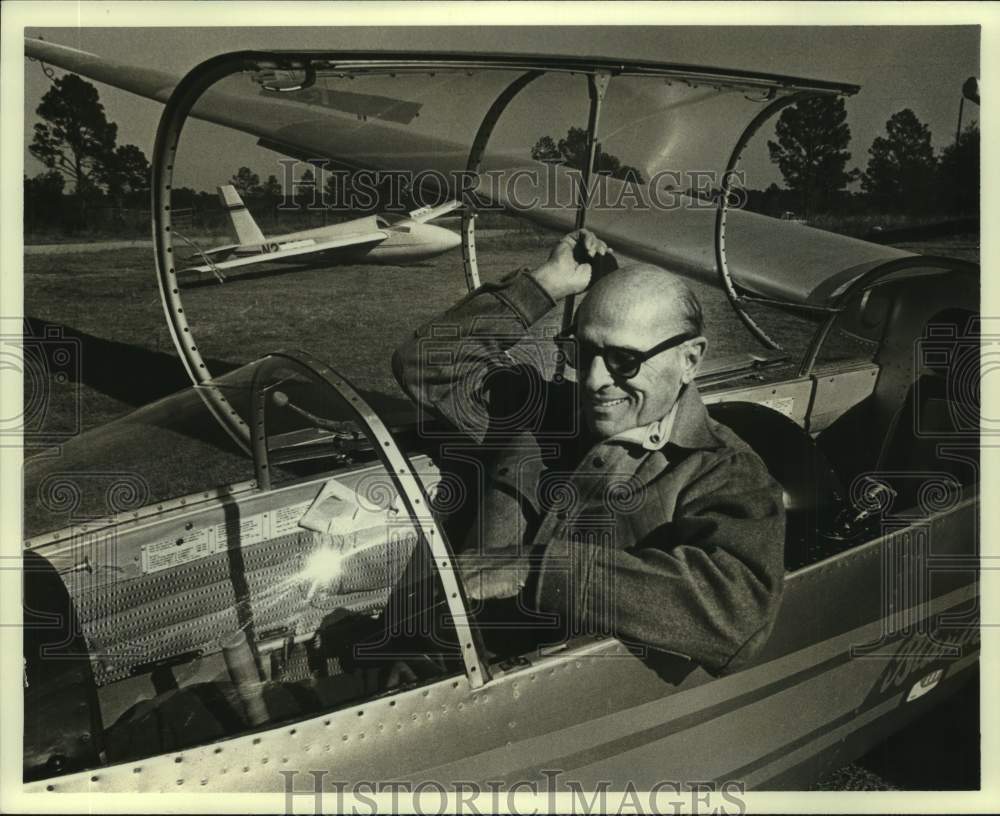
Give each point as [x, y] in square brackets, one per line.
[693, 353]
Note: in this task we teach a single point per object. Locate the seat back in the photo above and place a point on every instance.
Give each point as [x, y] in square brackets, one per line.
[926, 424]
[812, 492]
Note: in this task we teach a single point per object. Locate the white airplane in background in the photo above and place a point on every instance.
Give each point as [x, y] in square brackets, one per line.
[382, 238]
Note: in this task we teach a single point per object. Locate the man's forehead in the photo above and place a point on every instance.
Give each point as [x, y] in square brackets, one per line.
[631, 310]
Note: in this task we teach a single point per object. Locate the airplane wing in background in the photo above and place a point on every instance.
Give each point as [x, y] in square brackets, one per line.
[299, 249]
[224, 250]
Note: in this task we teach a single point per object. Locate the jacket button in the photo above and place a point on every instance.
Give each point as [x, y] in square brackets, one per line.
[599, 461]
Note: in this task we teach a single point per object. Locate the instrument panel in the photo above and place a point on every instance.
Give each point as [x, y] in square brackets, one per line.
[168, 590]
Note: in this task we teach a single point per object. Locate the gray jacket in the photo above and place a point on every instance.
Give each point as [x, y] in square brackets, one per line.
[679, 548]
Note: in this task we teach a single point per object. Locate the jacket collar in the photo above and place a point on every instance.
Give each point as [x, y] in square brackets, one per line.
[653, 436]
[691, 424]
[688, 424]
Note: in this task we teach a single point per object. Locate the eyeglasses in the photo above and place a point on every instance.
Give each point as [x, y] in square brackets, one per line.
[620, 362]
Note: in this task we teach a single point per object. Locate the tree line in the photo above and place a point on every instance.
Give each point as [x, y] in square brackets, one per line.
[902, 175]
[571, 150]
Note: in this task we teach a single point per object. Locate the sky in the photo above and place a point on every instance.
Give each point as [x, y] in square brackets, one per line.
[917, 67]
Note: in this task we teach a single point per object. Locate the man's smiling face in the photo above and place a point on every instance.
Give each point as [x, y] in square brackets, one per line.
[636, 308]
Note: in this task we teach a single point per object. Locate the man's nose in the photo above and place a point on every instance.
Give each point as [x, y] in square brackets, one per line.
[597, 375]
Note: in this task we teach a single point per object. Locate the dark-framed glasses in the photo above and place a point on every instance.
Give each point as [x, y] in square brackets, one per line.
[620, 361]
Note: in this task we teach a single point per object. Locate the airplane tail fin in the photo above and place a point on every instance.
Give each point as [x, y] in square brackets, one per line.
[246, 229]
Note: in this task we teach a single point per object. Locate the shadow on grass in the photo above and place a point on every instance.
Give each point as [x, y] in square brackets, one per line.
[208, 279]
[129, 373]
[188, 281]
[138, 376]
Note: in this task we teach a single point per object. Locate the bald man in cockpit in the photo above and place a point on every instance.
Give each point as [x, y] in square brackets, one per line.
[613, 500]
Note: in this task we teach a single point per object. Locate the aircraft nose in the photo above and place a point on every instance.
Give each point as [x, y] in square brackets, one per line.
[453, 240]
[437, 240]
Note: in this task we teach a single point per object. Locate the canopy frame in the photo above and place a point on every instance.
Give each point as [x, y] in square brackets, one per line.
[598, 71]
[472, 166]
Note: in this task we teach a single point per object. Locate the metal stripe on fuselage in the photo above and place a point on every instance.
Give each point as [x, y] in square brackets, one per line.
[737, 692]
[691, 720]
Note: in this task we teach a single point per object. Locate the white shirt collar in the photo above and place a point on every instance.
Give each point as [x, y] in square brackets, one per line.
[652, 436]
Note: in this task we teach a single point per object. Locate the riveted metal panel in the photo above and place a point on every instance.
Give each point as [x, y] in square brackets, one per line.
[790, 398]
[837, 391]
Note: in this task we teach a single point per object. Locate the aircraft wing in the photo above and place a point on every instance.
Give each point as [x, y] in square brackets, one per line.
[297, 251]
[420, 127]
[221, 250]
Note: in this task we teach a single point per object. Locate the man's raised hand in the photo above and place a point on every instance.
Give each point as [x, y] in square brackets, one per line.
[567, 270]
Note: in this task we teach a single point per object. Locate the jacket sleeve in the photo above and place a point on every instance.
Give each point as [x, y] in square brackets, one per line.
[457, 367]
[706, 585]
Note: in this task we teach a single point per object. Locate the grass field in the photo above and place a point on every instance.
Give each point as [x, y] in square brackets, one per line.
[352, 317]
